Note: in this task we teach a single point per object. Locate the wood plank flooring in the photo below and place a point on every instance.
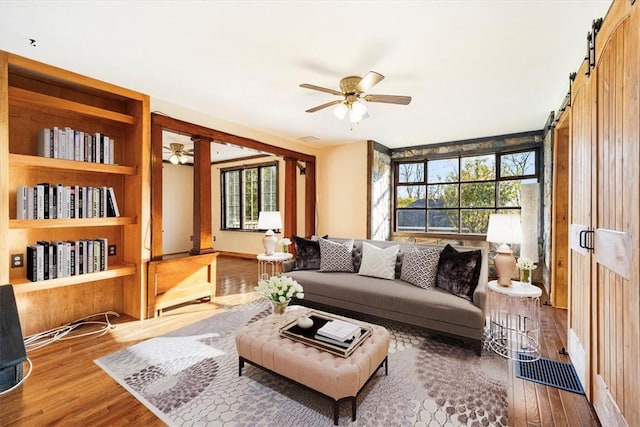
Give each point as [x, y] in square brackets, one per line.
[67, 388]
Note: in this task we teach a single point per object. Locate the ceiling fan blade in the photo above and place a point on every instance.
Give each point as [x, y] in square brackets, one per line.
[321, 89]
[320, 107]
[369, 80]
[389, 99]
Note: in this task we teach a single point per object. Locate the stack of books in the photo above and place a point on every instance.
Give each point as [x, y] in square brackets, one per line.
[70, 144]
[339, 333]
[51, 201]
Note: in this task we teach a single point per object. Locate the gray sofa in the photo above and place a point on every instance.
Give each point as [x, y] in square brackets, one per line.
[435, 309]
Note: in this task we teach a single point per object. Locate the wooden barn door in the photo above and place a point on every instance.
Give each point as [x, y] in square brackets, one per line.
[581, 201]
[616, 364]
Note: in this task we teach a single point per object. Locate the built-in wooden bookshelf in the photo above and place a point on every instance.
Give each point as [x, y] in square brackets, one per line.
[34, 96]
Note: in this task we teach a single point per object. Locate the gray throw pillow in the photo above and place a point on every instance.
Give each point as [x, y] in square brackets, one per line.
[307, 253]
[420, 266]
[336, 256]
[459, 272]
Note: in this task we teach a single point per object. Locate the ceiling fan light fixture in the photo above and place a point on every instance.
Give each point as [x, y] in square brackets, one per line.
[183, 159]
[173, 159]
[341, 110]
[357, 112]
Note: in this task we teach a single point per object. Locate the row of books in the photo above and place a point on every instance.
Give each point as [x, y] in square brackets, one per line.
[71, 144]
[50, 260]
[49, 201]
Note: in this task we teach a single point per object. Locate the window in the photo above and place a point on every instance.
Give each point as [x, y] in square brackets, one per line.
[245, 192]
[457, 194]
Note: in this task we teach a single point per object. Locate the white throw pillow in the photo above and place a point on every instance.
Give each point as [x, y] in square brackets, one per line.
[336, 256]
[378, 262]
[420, 267]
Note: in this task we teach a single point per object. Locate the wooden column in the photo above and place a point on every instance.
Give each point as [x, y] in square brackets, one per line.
[290, 196]
[156, 191]
[202, 235]
[310, 199]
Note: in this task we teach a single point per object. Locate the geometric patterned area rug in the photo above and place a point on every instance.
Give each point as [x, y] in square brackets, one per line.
[190, 377]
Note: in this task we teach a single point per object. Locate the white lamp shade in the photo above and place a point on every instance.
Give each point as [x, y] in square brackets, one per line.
[504, 228]
[341, 111]
[269, 220]
[357, 112]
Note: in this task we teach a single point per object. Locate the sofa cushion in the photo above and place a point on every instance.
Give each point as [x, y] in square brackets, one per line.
[336, 256]
[394, 296]
[459, 272]
[420, 266]
[307, 253]
[378, 262]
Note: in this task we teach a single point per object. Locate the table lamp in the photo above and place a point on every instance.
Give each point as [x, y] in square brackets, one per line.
[504, 230]
[269, 220]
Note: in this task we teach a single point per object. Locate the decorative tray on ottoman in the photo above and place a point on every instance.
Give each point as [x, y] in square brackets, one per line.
[309, 336]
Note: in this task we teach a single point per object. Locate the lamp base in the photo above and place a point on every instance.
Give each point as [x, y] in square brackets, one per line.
[269, 242]
[505, 265]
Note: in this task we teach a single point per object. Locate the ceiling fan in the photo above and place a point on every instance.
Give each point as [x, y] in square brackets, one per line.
[352, 93]
[178, 154]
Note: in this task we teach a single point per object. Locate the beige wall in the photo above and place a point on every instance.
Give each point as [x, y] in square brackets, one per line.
[342, 190]
[177, 224]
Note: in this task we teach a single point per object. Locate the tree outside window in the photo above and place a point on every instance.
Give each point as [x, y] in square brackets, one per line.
[247, 191]
[460, 193]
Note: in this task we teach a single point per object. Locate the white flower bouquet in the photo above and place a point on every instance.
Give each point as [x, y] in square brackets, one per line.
[525, 264]
[280, 288]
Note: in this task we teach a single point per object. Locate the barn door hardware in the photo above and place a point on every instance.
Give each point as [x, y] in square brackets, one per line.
[591, 44]
[586, 239]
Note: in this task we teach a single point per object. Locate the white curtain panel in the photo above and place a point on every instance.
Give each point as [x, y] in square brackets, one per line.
[530, 197]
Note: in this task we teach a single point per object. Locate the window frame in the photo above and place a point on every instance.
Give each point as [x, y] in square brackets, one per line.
[241, 172]
[459, 156]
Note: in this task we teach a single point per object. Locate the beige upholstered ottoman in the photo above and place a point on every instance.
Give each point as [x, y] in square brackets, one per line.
[335, 377]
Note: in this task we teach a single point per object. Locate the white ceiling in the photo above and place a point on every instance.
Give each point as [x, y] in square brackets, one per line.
[474, 68]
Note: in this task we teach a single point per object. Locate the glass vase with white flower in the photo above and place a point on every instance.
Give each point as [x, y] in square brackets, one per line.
[279, 290]
[525, 265]
[284, 244]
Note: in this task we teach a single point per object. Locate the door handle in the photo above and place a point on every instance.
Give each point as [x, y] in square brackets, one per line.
[586, 239]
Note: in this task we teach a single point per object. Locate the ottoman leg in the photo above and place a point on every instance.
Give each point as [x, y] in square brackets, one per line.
[240, 366]
[336, 412]
[353, 408]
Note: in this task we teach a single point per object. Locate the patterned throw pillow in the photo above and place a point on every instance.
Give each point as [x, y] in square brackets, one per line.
[459, 272]
[378, 262]
[307, 253]
[336, 256]
[420, 266]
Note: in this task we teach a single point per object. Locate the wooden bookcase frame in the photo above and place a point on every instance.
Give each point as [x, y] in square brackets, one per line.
[33, 96]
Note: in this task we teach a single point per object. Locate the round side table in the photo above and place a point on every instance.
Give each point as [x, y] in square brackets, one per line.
[271, 265]
[515, 320]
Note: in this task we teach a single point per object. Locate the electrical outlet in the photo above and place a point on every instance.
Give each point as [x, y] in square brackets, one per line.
[214, 238]
[17, 260]
[112, 250]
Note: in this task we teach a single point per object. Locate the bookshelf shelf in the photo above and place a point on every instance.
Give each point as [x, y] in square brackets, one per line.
[27, 161]
[23, 285]
[36, 96]
[16, 224]
[29, 99]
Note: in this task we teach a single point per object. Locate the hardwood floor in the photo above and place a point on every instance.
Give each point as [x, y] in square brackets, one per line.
[67, 388]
